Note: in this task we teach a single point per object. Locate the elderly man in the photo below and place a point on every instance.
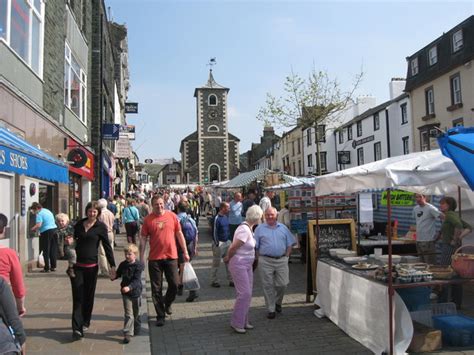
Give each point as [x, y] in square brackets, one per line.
[108, 219]
[221, 244]
[266, 201]
[273, 242]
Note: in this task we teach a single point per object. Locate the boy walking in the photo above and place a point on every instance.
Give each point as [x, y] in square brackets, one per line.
[131, 288]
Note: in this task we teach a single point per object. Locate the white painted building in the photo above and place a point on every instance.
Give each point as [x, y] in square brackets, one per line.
[327, 137]
[380, 132]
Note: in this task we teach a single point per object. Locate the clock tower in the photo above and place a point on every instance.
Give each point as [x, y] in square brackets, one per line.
[217, 150]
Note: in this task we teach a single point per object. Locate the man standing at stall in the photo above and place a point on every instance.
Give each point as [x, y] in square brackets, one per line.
[235, 213]
[425, 215]
[273, 242]
[220, 244]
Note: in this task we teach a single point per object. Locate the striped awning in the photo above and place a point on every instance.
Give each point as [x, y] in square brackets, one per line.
[244, 179]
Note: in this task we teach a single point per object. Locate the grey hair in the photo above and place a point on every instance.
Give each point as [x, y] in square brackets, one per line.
[102, 203]
[254, 214]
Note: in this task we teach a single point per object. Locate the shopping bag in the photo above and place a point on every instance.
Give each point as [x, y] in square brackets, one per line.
[40, 261]
[190, 280]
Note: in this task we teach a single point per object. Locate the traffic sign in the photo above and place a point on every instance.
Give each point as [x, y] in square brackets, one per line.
[110, 131]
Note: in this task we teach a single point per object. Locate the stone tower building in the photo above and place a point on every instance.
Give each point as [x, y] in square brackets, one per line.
[211, 153]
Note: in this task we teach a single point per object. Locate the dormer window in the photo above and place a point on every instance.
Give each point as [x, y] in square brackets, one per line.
[414, 66]
[212, 100]
[433, 55]
[457, 41]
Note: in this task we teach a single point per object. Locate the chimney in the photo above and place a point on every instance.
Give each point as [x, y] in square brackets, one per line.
[396, 87]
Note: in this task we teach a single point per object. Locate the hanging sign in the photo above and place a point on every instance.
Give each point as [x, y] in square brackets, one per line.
[398, 198]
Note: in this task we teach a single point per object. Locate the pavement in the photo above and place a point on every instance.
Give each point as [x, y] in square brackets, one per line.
[199, 327]
[48, 319]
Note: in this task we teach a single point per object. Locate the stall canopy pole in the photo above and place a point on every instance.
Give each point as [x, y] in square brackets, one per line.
[358, 219]
[390, 276]
[459, 202]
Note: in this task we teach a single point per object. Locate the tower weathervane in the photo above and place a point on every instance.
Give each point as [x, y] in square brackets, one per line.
[212, 62]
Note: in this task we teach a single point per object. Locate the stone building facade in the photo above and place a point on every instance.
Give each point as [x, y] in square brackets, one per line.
[211, 153]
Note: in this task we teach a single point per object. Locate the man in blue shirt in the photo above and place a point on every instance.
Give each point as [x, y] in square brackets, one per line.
[274, 243]
[48, 243]
[220, 243]
[235, 213]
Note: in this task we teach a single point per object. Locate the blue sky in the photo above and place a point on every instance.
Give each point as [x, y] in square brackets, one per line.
[256, 43]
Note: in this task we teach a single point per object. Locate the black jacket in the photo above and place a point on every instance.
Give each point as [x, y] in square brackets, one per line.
[131, 276]
[87, 243]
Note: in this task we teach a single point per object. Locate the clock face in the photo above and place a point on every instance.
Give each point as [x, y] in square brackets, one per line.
[213, 114]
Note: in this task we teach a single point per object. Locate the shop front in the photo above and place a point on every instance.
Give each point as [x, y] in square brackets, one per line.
[81, 175]
[27, 175]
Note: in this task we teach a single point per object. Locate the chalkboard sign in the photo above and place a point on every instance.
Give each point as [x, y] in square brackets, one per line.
[333, 233]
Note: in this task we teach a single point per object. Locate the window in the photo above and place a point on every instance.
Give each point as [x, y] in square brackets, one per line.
[320, 133]
[341, 137]
[213, 128]
[21, 27]
[294, 169]
[414, 66]
[75, 86]
[377, 151]
[212, 100]
[457, 40]
[349, 133]
[456, 89]
[424, 140]
[308, 137]
[293, 148]
[214, 173]
[299, 145]
[360, 156]
[359, 128]
[406, 147]
[458, 122]
[310, 160]
[323, 164]
[403, 108]
[433, 55]
[376, 122]
[429, 97]
[300, 171]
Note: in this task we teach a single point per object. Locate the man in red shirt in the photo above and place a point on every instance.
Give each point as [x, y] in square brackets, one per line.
[163, 230]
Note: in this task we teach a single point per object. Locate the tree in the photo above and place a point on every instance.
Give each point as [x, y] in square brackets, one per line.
[308, 103]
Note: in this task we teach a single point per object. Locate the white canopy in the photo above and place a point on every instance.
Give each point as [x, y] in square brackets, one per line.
[424, 172]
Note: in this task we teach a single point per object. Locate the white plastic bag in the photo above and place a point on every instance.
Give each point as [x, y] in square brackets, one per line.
[40, 261]
[190, 280]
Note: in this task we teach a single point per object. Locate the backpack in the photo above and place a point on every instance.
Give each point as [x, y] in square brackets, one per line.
[188, 229]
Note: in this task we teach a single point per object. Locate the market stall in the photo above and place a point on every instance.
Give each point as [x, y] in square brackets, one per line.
[427, 173]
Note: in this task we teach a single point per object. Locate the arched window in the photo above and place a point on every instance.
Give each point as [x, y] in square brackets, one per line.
[212, 100]
[214, 173]
[213, 128]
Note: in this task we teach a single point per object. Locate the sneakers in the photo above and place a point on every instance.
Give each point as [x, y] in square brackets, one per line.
[126, 339]
[215, 284]
[271, 315]
[278, 308]
[180, 290]
[239, 330]
[231, 284]
[249, 326]
[168, 310]
[77, 335]
[192, 296]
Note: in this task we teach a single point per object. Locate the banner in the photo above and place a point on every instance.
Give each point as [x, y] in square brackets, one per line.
[398, 198]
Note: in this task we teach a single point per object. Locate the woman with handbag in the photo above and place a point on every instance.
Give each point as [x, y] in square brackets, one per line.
[130, 218]
[88, 233]
[12, 334]
[241, 257]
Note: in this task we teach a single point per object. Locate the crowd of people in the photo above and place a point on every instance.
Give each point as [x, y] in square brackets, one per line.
[168, 221]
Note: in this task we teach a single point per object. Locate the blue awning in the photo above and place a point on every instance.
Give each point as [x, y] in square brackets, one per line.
[20, 157]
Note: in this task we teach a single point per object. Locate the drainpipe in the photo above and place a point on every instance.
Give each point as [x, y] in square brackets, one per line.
[101, 105]
[388, 133]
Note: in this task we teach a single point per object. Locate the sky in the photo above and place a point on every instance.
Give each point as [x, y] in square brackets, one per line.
[256, 45]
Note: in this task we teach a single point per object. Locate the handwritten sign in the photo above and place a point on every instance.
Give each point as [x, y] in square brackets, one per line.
[331, 233]
[398, 198]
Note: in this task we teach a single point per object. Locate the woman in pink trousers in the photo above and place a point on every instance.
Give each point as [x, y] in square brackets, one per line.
[240, 257]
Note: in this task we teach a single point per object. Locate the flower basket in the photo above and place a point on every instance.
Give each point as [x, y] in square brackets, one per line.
[462, 263]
